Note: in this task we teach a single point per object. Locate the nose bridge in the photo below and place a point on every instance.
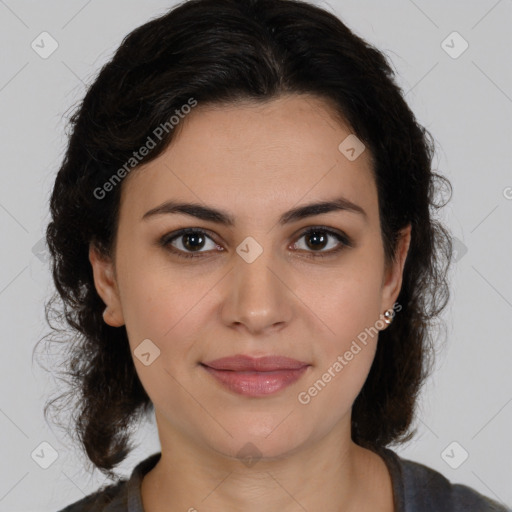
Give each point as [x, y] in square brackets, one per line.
[258, 298]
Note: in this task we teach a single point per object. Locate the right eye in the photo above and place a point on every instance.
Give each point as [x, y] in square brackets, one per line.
[190, 239]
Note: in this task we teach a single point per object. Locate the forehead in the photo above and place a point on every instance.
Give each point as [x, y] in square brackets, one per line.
[255, 158]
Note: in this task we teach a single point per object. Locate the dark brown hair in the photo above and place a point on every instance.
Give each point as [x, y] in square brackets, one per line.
[221, 52]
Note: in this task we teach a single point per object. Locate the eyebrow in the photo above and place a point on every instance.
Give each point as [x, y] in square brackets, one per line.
[222, 217]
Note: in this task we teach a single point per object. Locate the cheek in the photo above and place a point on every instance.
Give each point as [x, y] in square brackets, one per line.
[170, 316]
[331, 391]
[343, 359]
[169, 309]
[349, 310]
[354, 316]
[347, 303]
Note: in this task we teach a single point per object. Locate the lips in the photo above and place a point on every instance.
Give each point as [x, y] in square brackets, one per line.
[255, 377]
[241, 363]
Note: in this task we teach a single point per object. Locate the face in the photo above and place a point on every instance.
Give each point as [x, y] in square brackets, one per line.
[306, 287]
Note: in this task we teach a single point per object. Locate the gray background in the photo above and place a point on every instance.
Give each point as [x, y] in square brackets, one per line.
[466, 102]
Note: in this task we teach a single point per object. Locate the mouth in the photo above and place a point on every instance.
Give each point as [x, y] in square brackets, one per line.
[256, 377]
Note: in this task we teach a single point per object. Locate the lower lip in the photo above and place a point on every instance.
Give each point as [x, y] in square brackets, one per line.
[255, 384]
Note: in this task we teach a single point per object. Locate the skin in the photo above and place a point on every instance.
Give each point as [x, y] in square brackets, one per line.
[255, 161]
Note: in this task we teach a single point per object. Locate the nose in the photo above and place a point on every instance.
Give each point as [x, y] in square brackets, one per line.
[257, 297]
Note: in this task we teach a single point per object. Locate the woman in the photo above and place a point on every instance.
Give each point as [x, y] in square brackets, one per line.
[243, 236]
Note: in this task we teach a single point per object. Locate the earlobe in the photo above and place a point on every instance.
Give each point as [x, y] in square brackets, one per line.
[111, 318]
[106, 286]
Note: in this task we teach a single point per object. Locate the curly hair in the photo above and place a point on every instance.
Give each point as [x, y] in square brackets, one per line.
[222, 52]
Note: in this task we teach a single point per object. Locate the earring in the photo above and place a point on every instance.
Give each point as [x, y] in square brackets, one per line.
[104, 313]
[388, 316]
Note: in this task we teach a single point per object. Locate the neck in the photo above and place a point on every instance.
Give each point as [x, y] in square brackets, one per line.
[330, 474]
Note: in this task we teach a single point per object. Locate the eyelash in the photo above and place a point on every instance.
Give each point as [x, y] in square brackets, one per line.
[166, 240]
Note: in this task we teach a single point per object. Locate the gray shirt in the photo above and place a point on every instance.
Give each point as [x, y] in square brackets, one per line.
[416, 488]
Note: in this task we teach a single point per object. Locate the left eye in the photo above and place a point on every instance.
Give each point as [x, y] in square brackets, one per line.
[318, 238]
[192, 240]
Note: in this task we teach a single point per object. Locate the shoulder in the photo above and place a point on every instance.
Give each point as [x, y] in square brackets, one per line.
[120, 496]
[423, 489]
[112, 498]
[430, 489]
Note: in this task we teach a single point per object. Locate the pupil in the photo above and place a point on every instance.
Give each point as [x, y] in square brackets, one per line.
[193, 245]
[318, 237]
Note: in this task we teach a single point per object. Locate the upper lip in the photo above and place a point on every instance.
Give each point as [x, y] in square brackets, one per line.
[257, 364]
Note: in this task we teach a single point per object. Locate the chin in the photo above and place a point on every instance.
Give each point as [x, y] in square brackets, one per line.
[258, 440]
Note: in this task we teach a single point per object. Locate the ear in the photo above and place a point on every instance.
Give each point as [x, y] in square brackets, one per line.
[106, 286]
[392, 281]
